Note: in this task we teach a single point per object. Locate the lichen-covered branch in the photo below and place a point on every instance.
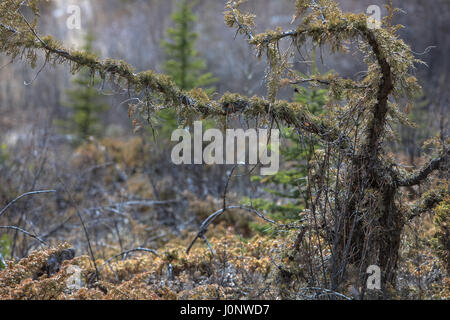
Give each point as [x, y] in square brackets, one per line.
[423, 173]
[190, 103]
[24, 232]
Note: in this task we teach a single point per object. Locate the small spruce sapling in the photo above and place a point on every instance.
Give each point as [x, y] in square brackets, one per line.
[183, 63]
[86, 105]
[289, 186]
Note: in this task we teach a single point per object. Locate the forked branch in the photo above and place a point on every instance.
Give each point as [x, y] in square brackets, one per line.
[422, 174]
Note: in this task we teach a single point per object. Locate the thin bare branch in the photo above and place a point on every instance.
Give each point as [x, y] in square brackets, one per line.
[24, 232]
[124, 253]
[80, 217]
[326, 291]
[22, 196]
[204, 226]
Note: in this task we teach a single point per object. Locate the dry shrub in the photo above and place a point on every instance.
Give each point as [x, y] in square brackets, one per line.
[239, 269]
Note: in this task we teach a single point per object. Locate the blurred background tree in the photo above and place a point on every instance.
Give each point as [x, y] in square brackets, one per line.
[183, 64]
[86, 105]
[289, 185]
